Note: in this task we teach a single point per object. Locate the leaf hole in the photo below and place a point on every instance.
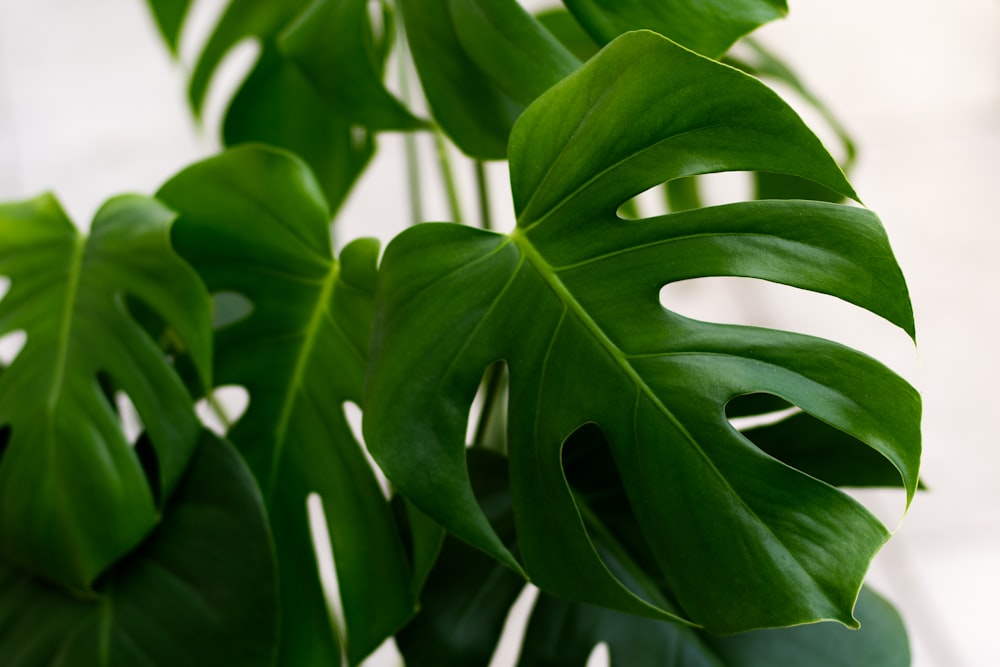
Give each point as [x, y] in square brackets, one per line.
[600, 656]
[222, 408]
[760, 303]
[4, 287]
[326, 562]
[592, 473]
[353, 417]
[514, 627]
[11, 345]
[377, 20]
[146, 454]
[5, 432]
[131, 422]
[808, 444]
[228, 308]
[486, 426]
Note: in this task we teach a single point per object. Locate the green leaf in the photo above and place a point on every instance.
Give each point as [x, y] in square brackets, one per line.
[276, 104]
[567, 30]
[561, 633]
[199, 592]
[469, 596]
[580, 286]
[479, 64]
[709, 27]
[169, 15]
[74, 496]
[333, 45]
[253, 222]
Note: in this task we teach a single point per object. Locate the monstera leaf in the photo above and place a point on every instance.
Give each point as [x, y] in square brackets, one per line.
[320, 101]
[469, 596]
[252, 221]
[569, 301]
[200, 592]
[74, 495]
[707, 26]
[480, 64]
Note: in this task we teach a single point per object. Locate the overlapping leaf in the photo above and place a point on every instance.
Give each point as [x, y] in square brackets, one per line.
[570, 301]
[316, 88]
[469, 597]
[480, 63]
[200, 592]
[252, 221]
[74, 495]
[707, 26]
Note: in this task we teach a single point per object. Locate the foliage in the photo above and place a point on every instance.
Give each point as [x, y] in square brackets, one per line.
[604, 466]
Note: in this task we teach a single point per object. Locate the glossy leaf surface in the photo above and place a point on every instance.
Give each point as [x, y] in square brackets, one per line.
[253, 222]
[570, 301]
[200, 591]
[74, 495]
[709, 27]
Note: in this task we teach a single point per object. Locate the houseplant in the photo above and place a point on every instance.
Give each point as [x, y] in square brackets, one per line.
[614, 477]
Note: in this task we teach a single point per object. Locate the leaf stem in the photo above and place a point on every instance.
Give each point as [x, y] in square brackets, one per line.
[409, 138]
[447, 175]
[482, 186]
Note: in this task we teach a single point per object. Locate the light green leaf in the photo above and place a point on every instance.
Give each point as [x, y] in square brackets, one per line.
[74, 496]
[742, 540]
[333, 46]
[252, 222]
[709, 27]
[199, 592]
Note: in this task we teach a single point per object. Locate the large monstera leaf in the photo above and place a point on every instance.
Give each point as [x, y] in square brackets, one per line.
[252, 221]
[74, 495]
[709, 27]
[569, 301]
[200, 591]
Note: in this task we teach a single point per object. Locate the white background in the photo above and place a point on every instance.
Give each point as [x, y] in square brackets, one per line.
[91, 106]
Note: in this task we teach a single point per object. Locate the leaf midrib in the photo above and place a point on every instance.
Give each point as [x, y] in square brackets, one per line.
[309, 336]
[549, 275]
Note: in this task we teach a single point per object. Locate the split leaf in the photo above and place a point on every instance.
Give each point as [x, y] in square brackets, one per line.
[570, 301]
[253, 222]
[74, 495]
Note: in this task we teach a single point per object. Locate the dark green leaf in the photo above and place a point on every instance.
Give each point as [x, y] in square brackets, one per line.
[333, 45]
[480, 63]
[473, 110]
[881, 641]
[74, 496]
[199, 592]
[326, 114]
[468, 595]
[706, 26]
[277, 106]
[252, 221]
[742, 540]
